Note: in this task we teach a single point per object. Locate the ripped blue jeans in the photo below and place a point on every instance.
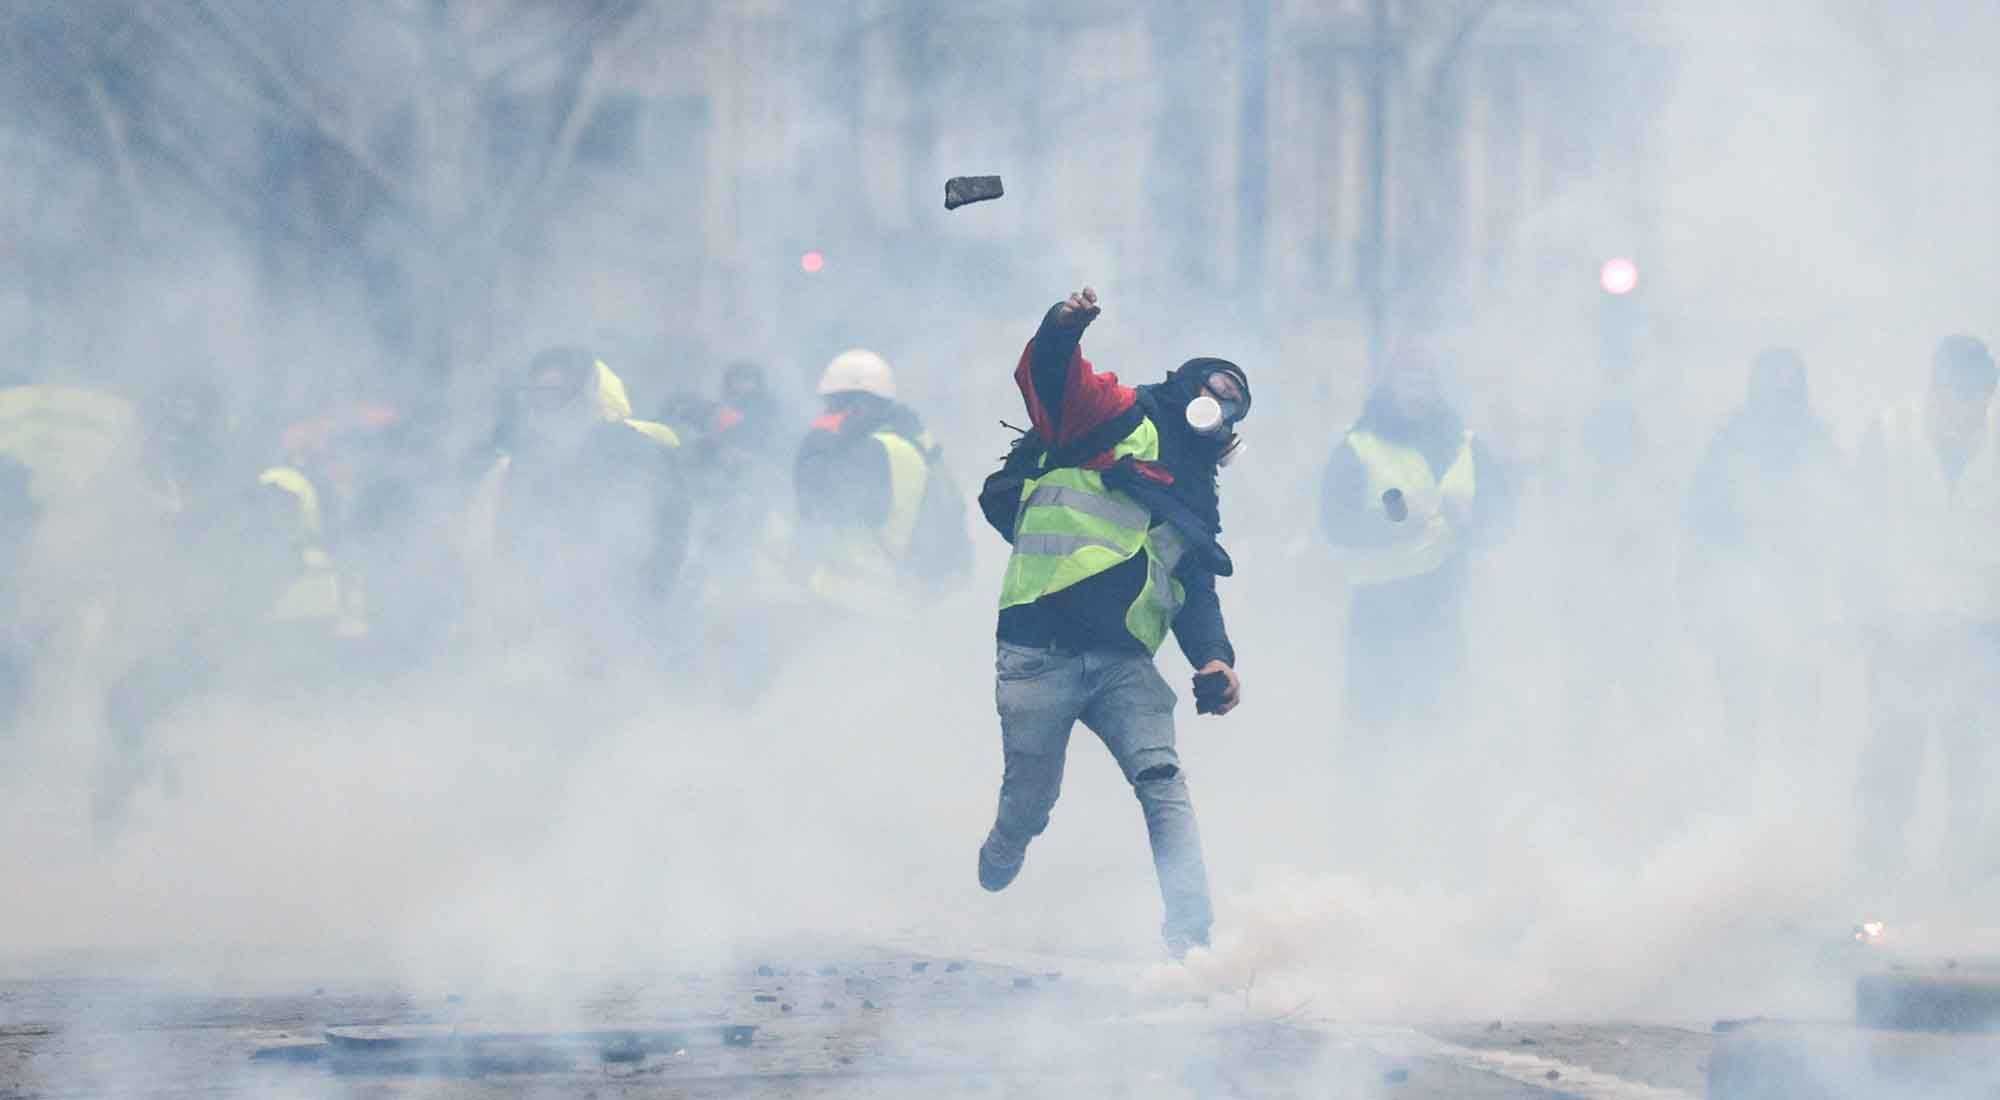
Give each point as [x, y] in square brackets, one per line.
[1121, 697]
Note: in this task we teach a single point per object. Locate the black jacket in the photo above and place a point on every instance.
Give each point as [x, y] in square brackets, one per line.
[841, 473]
[1091, 615]
[611, 515]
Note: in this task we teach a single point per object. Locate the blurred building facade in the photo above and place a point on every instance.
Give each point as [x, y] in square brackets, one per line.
[416, 188]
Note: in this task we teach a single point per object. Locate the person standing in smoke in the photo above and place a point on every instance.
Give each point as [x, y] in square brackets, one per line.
[18, 513]
[881, 522]
[1929, 472]
[580, 520]
[1606, 504]
[751, 418]
[738, 585]
[1407, 494]
[198, 567]
[1763, 526]
[1111, 506]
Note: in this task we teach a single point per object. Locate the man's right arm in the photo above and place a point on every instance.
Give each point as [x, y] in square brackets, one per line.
[1055, 346]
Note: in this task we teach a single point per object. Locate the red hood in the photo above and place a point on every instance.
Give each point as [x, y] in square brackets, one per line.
[1089, 399]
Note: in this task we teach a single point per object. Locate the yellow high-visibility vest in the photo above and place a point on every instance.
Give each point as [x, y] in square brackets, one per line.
[1433, 532]
[1072, 527]
[860, 567]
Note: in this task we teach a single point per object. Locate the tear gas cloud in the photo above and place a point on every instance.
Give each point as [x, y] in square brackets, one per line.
[315, 212]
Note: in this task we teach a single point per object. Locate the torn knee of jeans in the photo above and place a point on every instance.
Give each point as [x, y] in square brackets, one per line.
[1157, 771]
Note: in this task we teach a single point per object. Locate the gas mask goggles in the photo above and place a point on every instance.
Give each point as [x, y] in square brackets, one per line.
[1222, 402]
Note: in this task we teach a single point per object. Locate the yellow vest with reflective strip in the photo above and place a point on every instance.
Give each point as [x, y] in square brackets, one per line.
[862, 566]
[1071, 527]
[66, 437]
[1433, 532]
[314, 595]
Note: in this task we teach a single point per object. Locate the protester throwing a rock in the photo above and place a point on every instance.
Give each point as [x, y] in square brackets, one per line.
[1110, 503]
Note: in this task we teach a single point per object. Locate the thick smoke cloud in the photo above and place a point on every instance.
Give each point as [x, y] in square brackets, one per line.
[354, 203]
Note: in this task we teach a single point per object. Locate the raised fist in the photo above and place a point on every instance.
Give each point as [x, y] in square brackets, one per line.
[1079, 309]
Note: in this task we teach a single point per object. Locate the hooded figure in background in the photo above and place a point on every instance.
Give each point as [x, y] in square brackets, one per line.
[1929, 474]
[1407, 495]
[581, 517]
[750, 418]
[738, 588]
[1110, 506]
[198, 563]
[18, 514]
[881, 522]
[1767, 514]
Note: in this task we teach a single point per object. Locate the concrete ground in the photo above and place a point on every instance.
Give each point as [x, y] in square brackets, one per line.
[827, 1023]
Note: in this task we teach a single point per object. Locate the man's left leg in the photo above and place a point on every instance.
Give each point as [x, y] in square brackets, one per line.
[1132, 709]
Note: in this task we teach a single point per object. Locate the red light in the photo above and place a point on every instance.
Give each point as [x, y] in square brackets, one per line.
[1618, 276]
[811, 262]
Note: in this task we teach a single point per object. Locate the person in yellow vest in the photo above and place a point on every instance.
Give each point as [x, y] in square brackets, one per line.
[365, 480]
[579, 524]
[881, 523]
[18, 514]
[1929, 473]
[1408, 492]
[1111, 507]
[203, 561]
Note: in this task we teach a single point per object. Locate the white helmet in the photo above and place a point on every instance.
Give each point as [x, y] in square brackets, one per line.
[858, 370]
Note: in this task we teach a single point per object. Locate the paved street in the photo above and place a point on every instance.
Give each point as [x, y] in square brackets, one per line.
[827, 1023]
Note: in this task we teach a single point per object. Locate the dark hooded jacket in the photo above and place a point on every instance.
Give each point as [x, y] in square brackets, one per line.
[841, 473]
[1070, 402]
[599, 522]
[1763, 515]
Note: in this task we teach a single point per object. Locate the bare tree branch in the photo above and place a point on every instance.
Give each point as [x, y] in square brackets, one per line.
[116, 137]
[583, 105]
[532, 186]
[301, 101]
[171, 141]
[1460, 38]
[580, 35]
[209, 74]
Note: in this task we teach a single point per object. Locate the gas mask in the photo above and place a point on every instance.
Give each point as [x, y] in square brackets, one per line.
[1221, 402]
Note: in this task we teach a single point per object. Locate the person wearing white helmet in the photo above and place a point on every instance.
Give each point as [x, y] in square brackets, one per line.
[881, 520]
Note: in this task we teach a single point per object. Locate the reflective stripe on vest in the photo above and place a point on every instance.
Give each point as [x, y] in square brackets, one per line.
[655, 431]
[1152, 614]
[1431, 534]
[1071, 527]
[909, 474]
[314, 595]
[862, 566]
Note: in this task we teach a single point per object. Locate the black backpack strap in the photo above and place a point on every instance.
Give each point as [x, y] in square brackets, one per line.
[1000, 494]
[1098, 440]
[1170, 509]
